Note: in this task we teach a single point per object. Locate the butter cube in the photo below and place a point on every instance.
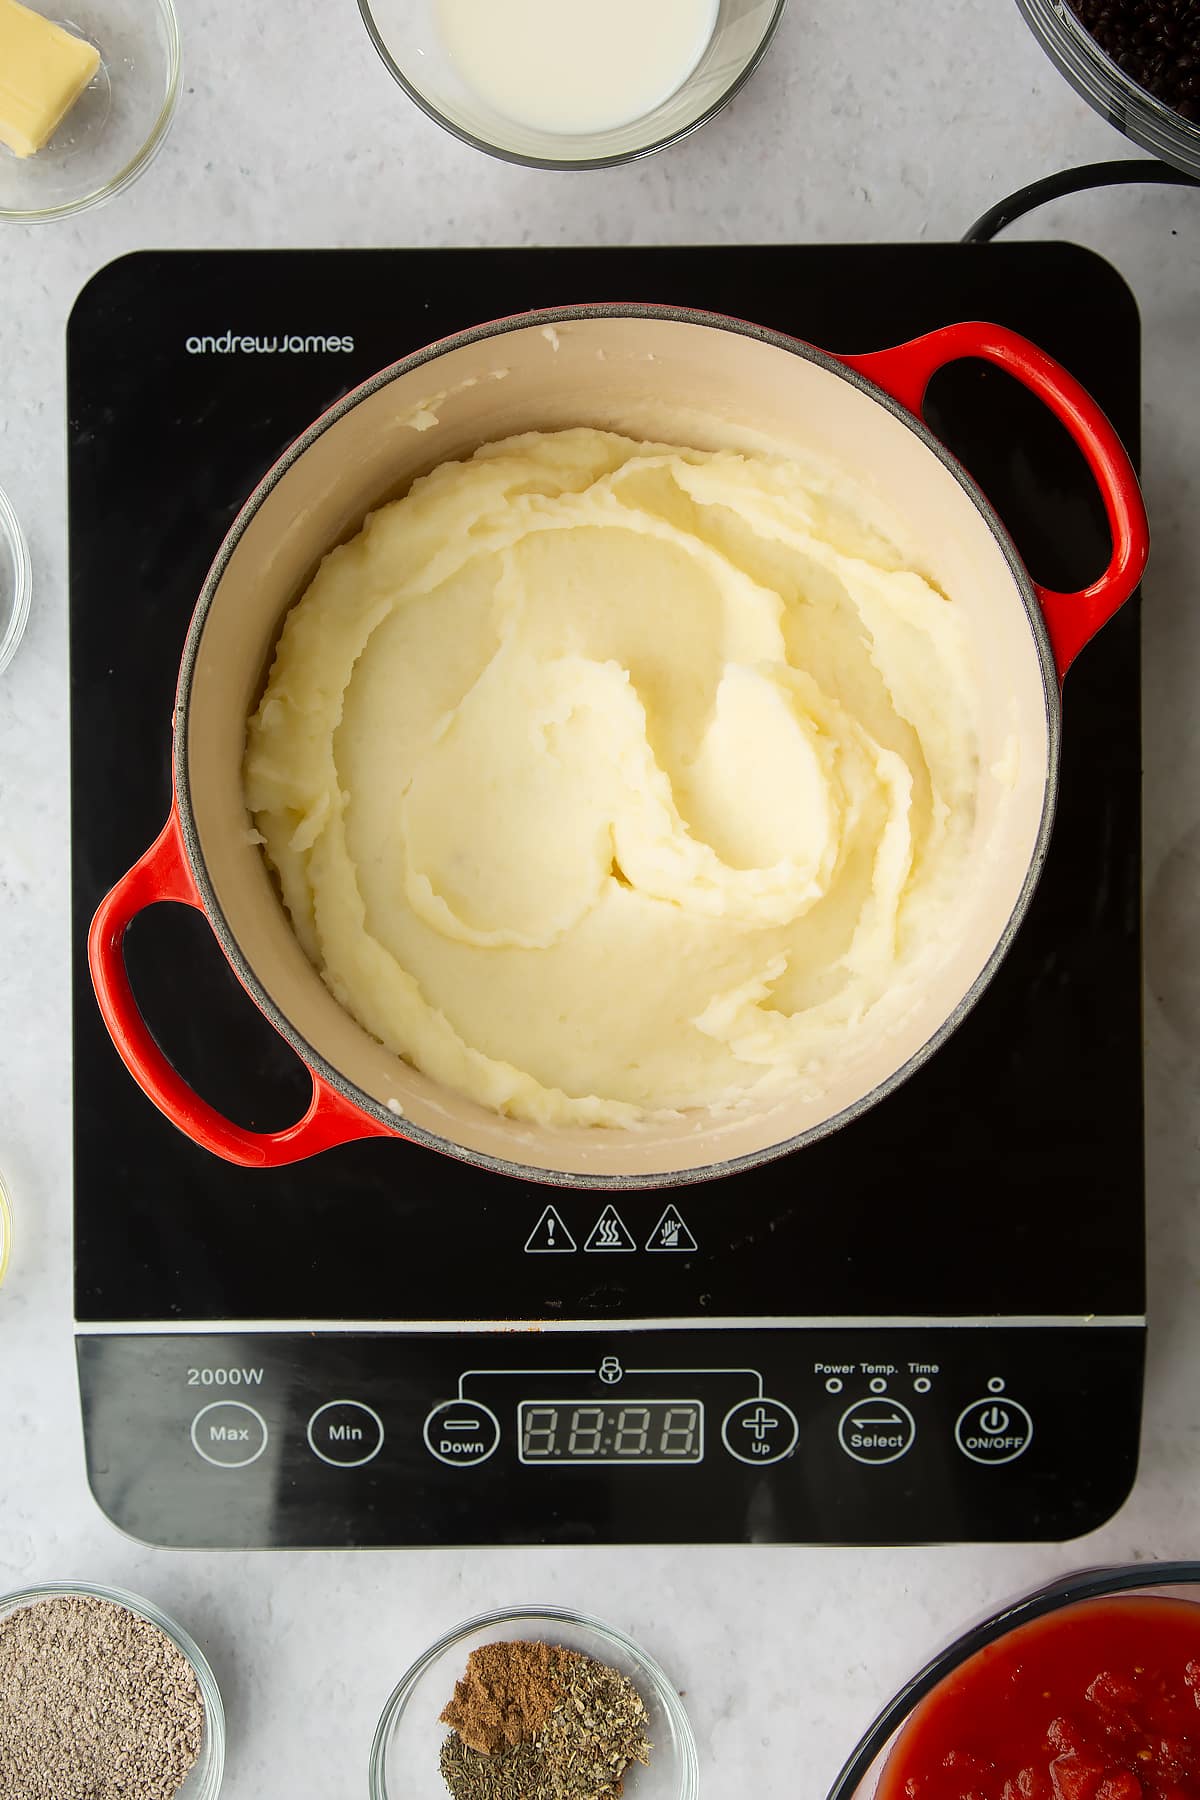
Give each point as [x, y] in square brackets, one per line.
[43, 71]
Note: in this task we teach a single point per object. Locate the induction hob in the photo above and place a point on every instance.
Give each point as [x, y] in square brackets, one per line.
[927, 1326]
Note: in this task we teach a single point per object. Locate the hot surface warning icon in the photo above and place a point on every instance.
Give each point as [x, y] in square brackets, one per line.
[549, 1235]
[670, 1233]
[610, 1232]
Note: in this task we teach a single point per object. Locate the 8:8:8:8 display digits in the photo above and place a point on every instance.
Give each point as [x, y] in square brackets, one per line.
[660, 1431]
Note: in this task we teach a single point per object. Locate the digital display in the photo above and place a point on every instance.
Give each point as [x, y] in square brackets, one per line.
[594, 1431]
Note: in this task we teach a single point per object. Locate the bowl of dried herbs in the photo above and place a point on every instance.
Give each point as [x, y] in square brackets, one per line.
[534, 1703]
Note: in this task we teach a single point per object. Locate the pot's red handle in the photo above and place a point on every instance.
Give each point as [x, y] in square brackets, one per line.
[1072, 620]
[163, 874]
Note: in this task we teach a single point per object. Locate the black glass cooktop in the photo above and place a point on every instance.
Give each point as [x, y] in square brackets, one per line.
[1004, 1180]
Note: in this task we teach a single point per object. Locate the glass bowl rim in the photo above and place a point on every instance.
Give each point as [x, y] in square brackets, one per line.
[141, 158]
[5, 1222]
[366, 8]
[214, 1709]
[1064, 1590]
[14, 537]
[5, 1231]
[1105, 85]
[663, 1690]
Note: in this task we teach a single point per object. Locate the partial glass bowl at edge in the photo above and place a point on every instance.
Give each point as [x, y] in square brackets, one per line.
[1106, 87]
[405, 33]
[404, 1756]
[119, 123]
[203, 1782]
[1168, 1580]
[5, 1229]
[16, 582]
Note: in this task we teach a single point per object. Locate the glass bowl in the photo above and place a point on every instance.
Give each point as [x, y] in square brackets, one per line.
[406, 35]
[117, 126]
[404, 1756]
[16, 581]
[1169, 1580]
[5, 1229]
[204, 1779]
[1106, 86]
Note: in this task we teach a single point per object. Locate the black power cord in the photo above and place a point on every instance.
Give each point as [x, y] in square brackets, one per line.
[1072, 181]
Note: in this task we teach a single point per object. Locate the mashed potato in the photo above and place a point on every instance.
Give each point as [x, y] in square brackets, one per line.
[606, 780]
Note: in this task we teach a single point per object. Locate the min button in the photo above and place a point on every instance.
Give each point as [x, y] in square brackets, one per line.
[229, 1434]
[345, 1433]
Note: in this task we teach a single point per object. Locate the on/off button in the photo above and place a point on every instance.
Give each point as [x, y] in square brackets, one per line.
[995, 1430]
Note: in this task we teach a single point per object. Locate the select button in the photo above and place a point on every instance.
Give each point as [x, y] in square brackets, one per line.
[345, 1433]
[877, 1430]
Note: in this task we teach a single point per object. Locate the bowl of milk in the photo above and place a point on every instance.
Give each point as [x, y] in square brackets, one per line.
[571, 83]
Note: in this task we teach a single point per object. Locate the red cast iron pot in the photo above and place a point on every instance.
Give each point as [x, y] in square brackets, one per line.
[653, 372]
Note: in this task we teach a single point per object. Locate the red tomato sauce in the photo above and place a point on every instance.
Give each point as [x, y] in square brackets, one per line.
[1100, 1701]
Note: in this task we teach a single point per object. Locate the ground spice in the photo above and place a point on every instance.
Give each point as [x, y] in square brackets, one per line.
[506, 1695]
[595, 1728]
[95, 1704]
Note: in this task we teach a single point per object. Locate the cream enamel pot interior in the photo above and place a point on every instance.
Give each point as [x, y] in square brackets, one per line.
[660, 373]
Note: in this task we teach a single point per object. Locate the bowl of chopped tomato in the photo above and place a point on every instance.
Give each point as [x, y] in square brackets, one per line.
[1088, 1689]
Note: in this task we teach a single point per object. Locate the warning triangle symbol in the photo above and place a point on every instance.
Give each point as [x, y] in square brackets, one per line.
[610, 1232]
[549, 1236]
[671, 1233]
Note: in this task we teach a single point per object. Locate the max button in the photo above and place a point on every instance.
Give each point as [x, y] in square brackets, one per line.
[345, 1433]
[995, 1430]
[229, 1434]
[461, 1433]
[877, 1430]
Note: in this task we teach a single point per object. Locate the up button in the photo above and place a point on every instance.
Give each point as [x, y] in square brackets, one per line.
[995, 1430]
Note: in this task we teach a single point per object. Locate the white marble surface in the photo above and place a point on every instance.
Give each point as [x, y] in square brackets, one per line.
[867, 121]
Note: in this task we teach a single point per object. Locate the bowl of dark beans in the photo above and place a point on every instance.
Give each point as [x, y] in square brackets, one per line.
[1136, 61]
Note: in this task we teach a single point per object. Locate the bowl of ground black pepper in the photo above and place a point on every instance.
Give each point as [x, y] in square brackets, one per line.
[534, 1703]
[1136, 61]
[103, 1697]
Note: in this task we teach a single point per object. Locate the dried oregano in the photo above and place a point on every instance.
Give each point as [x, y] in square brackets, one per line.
[591, 1724]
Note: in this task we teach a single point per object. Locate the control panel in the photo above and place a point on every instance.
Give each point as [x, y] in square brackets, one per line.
[900, 1434]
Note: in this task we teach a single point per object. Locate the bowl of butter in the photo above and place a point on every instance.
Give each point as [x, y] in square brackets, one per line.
[87, 93]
